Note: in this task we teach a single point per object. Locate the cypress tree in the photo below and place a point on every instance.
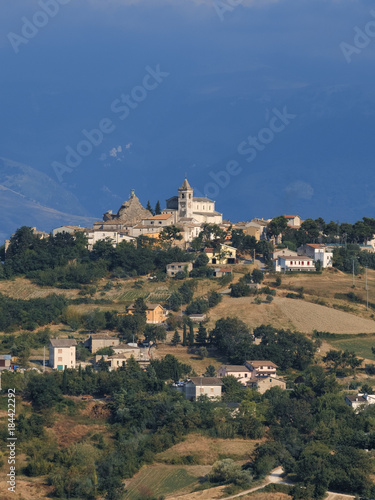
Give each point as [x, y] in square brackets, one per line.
[176, 339]
[191, 333]
[184, 335]
[157, 208]
[201, 337]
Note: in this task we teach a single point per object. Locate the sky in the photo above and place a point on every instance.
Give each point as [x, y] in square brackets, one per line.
[267, 107]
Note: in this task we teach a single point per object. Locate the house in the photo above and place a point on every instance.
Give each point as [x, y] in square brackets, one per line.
[219, 272]
[280, 252]
[294, 221]
[261, 368]
[67, 229]
[186, 205]
[5, 362]
[155, 313]
[174, 267]
[317, 252]
[114, 236]
[98, 341]
[355, 401]
[62, 353]
[240, 372]
[203, 386]
[260, 375]
[226, 255]
[293, 263]
[161, 220]
[262, 384]
[360, 400]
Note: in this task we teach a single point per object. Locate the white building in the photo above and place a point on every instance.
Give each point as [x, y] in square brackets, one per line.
[317, 252]
[290, 263]
[112, 235]
[62, 353]
[187, 207]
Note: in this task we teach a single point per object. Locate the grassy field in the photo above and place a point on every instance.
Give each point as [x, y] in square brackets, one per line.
[160, 480]
[360, 345]
[207, 450]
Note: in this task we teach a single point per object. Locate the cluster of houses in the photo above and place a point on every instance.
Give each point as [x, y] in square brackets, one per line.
[260, 375]
[132, 220]
[62, 352]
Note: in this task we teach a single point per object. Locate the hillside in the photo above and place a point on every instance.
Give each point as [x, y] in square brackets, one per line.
[293, 314]
[31, 198]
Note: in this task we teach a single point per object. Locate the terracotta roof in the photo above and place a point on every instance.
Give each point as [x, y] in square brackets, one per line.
[209, 250]
[160, 217]
[316, 245]
[206, 381]
[63, 342]
[290, 216]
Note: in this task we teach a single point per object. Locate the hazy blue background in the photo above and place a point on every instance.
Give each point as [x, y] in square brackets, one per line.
[225, 77]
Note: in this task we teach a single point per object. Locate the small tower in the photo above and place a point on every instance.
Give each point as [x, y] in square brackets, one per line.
[185, 200]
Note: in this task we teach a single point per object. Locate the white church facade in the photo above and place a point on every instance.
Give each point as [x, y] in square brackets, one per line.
[187, 208]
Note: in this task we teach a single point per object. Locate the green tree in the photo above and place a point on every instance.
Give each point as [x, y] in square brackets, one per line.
[191, 333]
[277, 226]
[149, 208]
[210, 371]
[201, 337]
[176, 339]
[184, 334]
[257, 275]
[157, 210]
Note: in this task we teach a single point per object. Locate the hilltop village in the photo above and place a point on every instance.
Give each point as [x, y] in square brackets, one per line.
[166, 352]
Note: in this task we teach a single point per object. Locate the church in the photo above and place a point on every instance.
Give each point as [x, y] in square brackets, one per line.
[187, 208]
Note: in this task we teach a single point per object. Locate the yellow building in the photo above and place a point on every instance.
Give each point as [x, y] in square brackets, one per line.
[226, 255]
[155, 313]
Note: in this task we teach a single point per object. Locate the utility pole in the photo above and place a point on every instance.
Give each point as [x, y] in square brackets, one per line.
[366, 292]
[44, 359]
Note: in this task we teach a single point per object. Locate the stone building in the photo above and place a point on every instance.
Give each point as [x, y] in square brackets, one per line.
[130, 213]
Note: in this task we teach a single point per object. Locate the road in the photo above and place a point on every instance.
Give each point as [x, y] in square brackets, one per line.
[276, 476]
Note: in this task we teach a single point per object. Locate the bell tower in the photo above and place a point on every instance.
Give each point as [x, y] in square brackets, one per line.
[185, 200]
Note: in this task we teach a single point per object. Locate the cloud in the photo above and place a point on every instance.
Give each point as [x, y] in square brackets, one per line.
[300, 189]
[115, 151]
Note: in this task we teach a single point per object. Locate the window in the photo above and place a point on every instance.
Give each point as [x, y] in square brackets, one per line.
[212, 389]
[59, 351]
[201, 389]
[182, 196]
[245, 375]
[59, 359]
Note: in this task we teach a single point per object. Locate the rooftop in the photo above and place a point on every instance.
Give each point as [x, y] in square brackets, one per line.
[262, 363]
[206, 381]
[63, 342]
